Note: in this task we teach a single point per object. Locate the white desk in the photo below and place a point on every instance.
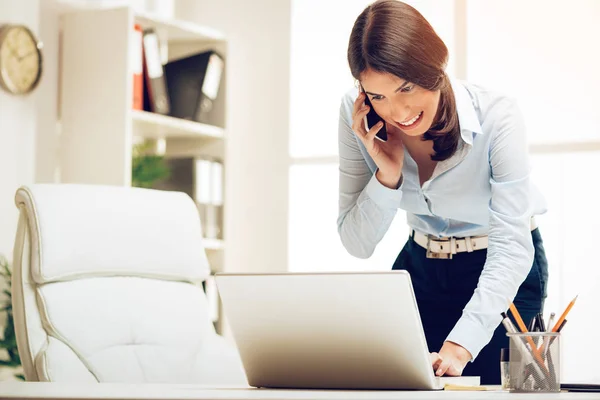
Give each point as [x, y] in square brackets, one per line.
[110, 391]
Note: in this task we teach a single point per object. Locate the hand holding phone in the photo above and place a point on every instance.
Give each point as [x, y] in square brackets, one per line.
[387, 151]
[372, 118]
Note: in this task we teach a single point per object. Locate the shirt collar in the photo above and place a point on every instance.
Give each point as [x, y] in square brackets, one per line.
[467, 116]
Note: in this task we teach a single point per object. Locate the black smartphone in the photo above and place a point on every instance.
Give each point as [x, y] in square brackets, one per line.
[372, 118]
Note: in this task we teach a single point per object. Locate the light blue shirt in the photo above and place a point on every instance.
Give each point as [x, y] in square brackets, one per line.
[483, 189]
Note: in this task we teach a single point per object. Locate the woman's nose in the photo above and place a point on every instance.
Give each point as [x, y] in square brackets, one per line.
[400, 112]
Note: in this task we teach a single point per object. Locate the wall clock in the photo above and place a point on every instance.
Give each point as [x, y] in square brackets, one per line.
[20, 59]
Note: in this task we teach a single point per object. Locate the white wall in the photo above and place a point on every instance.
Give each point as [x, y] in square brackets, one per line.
[28, 141]
[46, 153]
[545, 53]
[17, 131]
[256, 197]
[17, 141]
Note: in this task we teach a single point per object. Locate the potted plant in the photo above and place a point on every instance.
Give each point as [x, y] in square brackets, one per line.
[147, 166]
[8, 342]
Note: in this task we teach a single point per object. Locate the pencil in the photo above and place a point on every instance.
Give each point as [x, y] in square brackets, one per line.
[523, 328]
[564, 314]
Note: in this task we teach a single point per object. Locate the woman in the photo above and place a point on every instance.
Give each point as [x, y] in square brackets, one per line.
[456, 160]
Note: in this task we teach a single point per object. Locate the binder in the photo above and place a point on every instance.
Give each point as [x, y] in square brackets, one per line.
[216, 194]
[156, 96]
[137, 60]
[202, 195]
[210, 187]
[193, 84]
[202, 180]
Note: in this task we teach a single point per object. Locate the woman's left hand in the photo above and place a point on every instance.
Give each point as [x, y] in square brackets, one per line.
[451, 360]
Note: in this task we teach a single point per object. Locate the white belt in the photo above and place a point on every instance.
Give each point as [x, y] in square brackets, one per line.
[446, 247]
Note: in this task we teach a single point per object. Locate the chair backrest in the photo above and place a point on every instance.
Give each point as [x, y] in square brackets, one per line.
[107, 288]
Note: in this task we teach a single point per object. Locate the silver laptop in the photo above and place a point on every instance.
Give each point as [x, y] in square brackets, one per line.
[329, 330]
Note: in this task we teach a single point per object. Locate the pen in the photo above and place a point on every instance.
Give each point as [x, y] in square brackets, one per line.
[540, 321]
[562, 325]
[548, 342]
[510, 328]
[544, 346]
[564, 314]
[560, 328]
[550, 321]
[532, 324]
[549, 329]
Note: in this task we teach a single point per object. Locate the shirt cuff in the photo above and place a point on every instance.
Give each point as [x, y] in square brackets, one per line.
[470, 335]
[382, 195]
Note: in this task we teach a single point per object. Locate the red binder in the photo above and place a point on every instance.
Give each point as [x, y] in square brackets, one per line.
[138, 69]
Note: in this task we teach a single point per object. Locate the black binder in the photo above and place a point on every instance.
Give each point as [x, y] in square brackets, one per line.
[193, 85]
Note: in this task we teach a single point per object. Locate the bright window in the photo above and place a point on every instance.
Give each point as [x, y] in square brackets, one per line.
[543, 54]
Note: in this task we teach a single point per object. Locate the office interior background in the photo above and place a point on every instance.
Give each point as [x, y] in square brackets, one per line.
[286, 72]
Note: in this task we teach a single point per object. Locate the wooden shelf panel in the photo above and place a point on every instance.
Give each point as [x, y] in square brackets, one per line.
[176, 30]
[151, 125]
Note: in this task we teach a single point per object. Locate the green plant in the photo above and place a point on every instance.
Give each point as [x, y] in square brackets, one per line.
[147, 167]
[9, 341]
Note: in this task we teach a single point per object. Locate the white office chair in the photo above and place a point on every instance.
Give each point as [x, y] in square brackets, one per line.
[107, 288]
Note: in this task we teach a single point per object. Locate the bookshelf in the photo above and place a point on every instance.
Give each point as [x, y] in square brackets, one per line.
[98, 127]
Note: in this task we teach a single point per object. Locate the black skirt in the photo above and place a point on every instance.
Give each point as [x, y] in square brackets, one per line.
[444, 287]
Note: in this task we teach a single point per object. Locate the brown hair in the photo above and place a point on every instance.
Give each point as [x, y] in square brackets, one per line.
[392, 37]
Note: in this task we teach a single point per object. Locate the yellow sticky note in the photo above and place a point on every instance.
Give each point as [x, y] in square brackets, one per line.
[449, 386]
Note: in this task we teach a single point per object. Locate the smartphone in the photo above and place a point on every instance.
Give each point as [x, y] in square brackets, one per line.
[372, 118]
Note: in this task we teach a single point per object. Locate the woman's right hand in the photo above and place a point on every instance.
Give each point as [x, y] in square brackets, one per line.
[388, 155]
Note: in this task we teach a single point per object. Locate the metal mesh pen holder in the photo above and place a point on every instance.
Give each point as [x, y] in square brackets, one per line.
[534, 364]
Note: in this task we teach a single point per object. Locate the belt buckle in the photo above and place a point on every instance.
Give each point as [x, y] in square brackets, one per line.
[434, 255]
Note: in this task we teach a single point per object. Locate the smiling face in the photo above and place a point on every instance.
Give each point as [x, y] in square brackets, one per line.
[400, 103]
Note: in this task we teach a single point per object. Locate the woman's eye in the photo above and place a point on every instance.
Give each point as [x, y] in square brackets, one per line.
[376, 98]
[408, 89]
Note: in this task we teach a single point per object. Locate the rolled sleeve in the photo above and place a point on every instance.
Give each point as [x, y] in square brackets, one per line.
[366, 207]
[470, 334]
[382, 195]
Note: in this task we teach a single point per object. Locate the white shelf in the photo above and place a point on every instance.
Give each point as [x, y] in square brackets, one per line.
[213, 244]
[174, 30]
[151, 125]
